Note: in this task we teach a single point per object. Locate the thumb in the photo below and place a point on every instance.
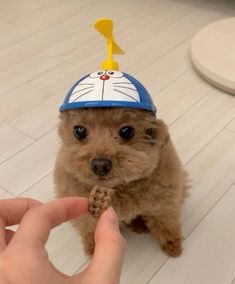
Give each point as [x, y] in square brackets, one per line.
[109, 252]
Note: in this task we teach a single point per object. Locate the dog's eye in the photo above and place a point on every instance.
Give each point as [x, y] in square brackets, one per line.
[79, 132]
[127, 132]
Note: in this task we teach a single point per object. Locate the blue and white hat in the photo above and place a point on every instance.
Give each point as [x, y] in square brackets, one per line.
[108, 88]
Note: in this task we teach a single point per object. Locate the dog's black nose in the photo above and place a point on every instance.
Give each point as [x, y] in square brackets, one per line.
[101, 166]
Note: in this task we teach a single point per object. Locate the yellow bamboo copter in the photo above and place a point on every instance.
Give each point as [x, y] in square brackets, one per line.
[105, 27]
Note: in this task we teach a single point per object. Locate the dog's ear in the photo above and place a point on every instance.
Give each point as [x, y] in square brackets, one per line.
[66, 124]
[162, 134]
[64, 119]
[151, 133]
[67, 114]
[62, 115]
[157, 132]
[168, 169]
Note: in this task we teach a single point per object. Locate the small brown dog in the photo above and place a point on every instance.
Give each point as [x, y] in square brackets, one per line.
[130, 151]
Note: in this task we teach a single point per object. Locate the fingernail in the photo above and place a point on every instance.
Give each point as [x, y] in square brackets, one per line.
[113, 217]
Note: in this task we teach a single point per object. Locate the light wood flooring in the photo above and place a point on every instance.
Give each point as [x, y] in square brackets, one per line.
[45, 46]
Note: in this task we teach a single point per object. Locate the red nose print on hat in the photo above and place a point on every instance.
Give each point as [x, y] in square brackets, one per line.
[104, 77]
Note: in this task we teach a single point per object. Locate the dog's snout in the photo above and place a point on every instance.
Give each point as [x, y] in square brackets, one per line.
[101, 166]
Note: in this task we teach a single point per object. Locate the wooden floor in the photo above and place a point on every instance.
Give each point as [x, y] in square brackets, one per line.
[45, 46]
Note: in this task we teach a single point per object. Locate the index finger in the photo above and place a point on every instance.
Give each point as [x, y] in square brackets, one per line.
[12, 210]
[37, 223]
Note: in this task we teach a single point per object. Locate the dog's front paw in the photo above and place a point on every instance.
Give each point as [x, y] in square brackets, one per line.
[88, 244]
[89, 250]
[166, 228]
[172, 246]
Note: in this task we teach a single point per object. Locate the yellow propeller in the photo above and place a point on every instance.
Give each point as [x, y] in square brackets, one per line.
[105, 27]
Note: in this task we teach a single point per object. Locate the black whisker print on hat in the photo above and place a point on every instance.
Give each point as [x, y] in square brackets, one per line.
[126, 95]
[124, 87]
[85, 84]
[82, 95]
[116, 83]
[91, 87]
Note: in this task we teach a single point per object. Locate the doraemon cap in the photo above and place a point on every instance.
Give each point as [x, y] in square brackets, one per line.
[108, 87]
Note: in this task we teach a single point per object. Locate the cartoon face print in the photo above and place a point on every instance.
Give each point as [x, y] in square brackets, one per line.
[109, 85]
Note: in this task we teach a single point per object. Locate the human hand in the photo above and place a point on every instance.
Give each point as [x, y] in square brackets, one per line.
[23, 258]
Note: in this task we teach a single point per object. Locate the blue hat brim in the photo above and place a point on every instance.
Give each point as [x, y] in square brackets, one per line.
[97, 104]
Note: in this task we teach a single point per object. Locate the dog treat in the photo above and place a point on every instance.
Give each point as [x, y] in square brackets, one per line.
[99, 200]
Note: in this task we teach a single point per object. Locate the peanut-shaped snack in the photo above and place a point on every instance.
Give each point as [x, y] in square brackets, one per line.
[99, 200]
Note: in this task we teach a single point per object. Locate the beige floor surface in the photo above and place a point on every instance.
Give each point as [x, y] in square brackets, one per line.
[45, 46]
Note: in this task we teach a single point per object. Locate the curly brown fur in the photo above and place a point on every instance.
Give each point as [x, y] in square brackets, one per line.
[146, 173]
